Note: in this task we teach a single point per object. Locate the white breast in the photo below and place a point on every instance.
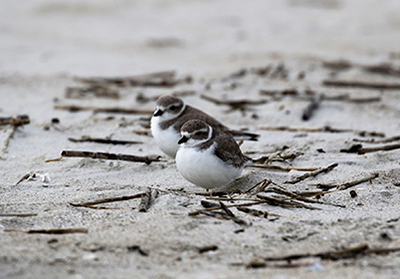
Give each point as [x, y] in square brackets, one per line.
[205, 169]
[167, 140]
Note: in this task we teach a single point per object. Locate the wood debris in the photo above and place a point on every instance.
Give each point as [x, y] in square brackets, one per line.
[100, 91]
[346, 185]
[325, 129]
[107, 200]
[104, 141]
[312, 174]
[18, 214]
[18, 120]
[147, 199]
[111, 156]
[362, 84]
[73, 108]
[159, 79]
[234, 104]
[51, 231]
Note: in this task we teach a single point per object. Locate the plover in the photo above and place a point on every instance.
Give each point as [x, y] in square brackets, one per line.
[171, 113]
[208, 158]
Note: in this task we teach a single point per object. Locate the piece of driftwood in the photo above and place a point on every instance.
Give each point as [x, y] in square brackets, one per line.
[284, 168]
[74, 108]
[337, 65]
[382, 69]
[353, 252]
[378, 148]
[375, 141]
[107, 200]
[18, 120]
[15, 122]
[234, 104]
[259, 187]
[159, 79]
[312, 107]
[207, 248]
[147, 199]
[357, 148]
[254, 212]
[111, 156]
[346, 185]
[286, 203]
[104, 141]
[325, 129]
[137, 248]
[223, 216]
[51, 231]
[100, 91]
[17, 214]
[312, 174]
[362, 84]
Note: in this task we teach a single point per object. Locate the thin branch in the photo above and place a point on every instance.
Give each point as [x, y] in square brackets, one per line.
[104, 141]
[234, 104]
[361, 84]
[387, 140]
[147, 199]
[326, 129]
[17, 214]
[159, 79]
[111, 156]
[51, 231]
[73, 108]
[284, 168]
[15, 120]
[312, 174]
[344, 186]
[107, 200]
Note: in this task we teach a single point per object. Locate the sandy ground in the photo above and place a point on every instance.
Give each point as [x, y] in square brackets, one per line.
[45, 44]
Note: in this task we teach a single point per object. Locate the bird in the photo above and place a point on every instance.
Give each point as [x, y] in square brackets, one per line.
[207, 157]
[171, 113]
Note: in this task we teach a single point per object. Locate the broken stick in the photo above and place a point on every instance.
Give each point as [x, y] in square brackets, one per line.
[104, 141]
[312, 174]
[73, 108]
[51, 231]
[111, 156]
[361, 84]
[234, 104]
[147, 199]
[18, 120]
[107, 200]
[325, 129]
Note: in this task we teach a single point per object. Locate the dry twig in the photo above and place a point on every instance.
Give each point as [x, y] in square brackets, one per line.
[73, 108]
[344, 186]
[312, 174]
[160, 79]
[234, 104]
[107, 200]
[111, 156]
[284, 168]
[361, 84]
[326, 129]
[104, 141]
[51, 231]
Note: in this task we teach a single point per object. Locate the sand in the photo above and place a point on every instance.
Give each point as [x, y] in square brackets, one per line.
[45, 44]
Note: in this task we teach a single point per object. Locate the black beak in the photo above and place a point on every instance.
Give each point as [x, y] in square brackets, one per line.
[158, 112]
[183, 139]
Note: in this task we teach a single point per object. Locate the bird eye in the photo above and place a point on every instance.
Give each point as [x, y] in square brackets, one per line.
[200, 133]
[173, 108]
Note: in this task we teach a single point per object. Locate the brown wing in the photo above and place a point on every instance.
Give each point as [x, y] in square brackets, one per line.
[229, 151]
